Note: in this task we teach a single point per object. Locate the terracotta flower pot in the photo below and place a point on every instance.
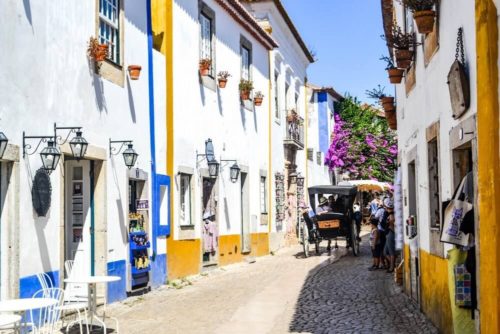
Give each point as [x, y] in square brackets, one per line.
[257, 101]
[102, 50]
[425, 21]
[245, 95]
[395, 75]
[388, 103]
[404, 58]
[222, 83]
[204, 69]
[390, 116]
[134, 71]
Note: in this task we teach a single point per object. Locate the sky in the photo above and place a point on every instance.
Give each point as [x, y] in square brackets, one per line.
[345, 36]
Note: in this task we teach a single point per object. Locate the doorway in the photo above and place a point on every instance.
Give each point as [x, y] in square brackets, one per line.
[210, 248]
[246, 242]
[78, 229]
[412, 233]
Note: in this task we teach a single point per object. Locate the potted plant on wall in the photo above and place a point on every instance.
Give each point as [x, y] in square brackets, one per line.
[97, 51]
[246, 87]
[222, 78]
[395, 74]
[402, 43]
[134, 71]
[257, 99]
[205, 64]
[423, 13]
[292, 116]
[387, 102]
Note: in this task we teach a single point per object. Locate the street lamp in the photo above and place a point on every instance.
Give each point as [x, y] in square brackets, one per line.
[213, 165]
[3, 144]
[50, 156]
[300, 181]
[78, 144]
[293, 178]
[234, 172]
[129, 155]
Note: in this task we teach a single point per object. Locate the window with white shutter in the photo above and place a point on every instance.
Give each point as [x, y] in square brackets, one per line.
[207, 33]
[109, 27]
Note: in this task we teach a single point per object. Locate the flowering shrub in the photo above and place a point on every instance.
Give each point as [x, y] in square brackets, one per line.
[362, 143]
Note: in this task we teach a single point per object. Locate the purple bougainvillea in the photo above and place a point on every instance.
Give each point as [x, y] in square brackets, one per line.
[362, 144]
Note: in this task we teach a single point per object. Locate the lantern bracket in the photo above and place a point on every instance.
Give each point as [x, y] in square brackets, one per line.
[113, 149]
[58, 139]
[27, 147]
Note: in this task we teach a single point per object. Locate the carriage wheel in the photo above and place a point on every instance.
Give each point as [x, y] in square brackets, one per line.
[305, 240]
[354, 239]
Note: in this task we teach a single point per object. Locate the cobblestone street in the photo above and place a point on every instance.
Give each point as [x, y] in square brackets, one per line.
[279, 294]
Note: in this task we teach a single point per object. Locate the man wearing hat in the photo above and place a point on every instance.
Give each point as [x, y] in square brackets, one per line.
[390, 243]
[323, 206]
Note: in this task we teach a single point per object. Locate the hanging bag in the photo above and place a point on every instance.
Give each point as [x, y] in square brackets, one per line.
[453, 216]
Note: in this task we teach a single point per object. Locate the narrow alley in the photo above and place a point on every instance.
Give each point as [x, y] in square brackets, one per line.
[279, 294]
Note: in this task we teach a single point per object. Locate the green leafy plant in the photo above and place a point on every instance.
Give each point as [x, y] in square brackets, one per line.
[223, 75]
[418, 5]
[245, 85]
[388, 61]
[376, 93]
[205, 62]
[400, 40]
[259, 95]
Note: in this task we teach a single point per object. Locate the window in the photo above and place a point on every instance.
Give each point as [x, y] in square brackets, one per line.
[207, 32]
[287, 90]
[185, 200]
[408, 15]
[297, 102]
[263, 194]
[318, 158]
[276, 95]
[310, 153]
[109, 27]
[246, 58]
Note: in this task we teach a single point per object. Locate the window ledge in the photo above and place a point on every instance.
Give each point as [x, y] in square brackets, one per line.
[112, 72]
[208, 82]
[187, 227]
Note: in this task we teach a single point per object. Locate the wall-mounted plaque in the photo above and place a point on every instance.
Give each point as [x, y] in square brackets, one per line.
[41, 192]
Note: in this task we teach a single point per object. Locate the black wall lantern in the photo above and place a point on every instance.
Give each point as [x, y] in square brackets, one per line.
[129, 155]
[50, 155]
[213, 165]
[234, 170]
[300, 181]
[78, 144]
[293, 178]
[3, 143]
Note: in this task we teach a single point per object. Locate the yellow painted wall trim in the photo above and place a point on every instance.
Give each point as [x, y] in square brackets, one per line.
[306, 125]
[270, 146]
[488, 162]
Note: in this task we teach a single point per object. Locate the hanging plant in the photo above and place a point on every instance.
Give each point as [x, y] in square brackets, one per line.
[222, 78]
[292, 116]
[204, 65]
[257, 100]
[402, 43]
[246, 87]
[387, 102]
[395, 74]
[423, 13]
[134, 71]
[96, 51]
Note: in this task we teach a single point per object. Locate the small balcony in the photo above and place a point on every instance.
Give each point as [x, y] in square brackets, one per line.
[294, 133]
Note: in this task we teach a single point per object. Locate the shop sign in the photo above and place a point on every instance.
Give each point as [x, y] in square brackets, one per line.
[41, 192]
[142, 204]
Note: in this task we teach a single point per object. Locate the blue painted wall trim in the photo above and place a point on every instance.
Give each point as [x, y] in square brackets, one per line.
[159, 271]
[156, 261]
[117, 290]
[324, 136]
[28, 285]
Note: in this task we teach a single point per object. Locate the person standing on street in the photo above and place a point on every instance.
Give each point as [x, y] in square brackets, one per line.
[390, 243]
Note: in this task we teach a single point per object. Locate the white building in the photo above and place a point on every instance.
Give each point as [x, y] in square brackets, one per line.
[288, 71]
[436, 150]
[224, 32]
[50, 80]
[319, 129]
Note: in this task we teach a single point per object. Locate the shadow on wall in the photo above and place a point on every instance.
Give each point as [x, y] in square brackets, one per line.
[243, 117]
[27, 11]
[119, 204]
[131, 101]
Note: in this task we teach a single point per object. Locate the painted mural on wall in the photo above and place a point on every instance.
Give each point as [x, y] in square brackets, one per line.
[279, 180]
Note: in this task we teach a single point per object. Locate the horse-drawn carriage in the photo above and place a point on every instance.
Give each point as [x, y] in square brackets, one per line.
[330, 225]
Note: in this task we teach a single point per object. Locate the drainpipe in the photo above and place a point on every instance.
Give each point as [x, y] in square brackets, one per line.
[154, 188]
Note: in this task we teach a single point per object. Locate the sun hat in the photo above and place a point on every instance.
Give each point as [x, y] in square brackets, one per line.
[323, 200]
[388, 203]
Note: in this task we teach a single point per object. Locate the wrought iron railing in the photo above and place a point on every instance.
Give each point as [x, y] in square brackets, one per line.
[295, 132]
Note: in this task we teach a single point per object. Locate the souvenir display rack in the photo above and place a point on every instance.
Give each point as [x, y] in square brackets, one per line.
[139, 245]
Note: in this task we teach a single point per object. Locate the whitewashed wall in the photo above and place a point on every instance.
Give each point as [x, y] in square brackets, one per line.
[48, 79]
[429, 102]
[201, 113]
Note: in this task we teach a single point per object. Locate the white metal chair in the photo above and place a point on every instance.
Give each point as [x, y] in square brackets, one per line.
[10, 322]
[43, 320]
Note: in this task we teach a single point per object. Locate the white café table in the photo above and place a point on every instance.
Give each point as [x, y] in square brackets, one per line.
[91, 282]
[21, 305]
